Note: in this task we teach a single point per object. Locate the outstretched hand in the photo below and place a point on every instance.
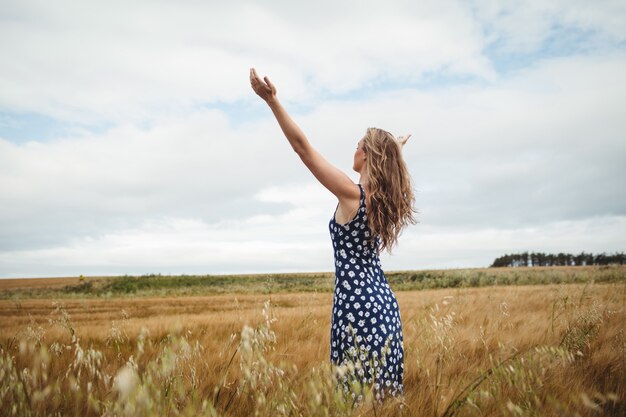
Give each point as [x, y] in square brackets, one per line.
[403, 139]
[263, 88]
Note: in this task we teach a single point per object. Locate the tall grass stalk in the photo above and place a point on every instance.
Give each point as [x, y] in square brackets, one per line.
[572, 363]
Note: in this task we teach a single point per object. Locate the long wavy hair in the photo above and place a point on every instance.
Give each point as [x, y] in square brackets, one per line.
[390, 197]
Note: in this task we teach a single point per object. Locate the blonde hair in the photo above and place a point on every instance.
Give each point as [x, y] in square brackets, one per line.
[390, 197]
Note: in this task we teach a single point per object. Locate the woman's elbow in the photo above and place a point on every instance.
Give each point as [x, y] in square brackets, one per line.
[303, 151]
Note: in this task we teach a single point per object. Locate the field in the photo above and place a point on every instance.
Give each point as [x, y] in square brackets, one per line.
[260, 346]
[164, 285]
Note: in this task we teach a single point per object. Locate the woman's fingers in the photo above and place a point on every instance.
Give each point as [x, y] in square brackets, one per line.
[269, 83]
[253, 76]
[403, 139]
[257, 85]
[264, 88]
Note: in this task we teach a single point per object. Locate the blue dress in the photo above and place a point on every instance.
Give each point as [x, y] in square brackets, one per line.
[366, 330]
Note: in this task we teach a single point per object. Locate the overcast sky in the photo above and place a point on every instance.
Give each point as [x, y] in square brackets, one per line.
[131, 142]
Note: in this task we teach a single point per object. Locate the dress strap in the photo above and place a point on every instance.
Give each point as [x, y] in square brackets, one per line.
[362, 192]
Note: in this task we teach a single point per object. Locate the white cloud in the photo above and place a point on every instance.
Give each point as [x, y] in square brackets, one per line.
[95, 62]
[522, 26]
[516, 156]
[189, 245]
[500, 163]
[432, 247]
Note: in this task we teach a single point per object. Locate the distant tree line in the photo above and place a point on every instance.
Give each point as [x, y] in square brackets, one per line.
[560, 259]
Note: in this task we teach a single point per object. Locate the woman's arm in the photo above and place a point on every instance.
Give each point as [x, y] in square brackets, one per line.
[335, 180]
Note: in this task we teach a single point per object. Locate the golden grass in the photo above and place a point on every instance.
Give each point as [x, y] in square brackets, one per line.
[7, 284]
[451, 337]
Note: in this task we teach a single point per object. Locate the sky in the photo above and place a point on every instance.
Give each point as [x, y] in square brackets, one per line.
[132, 143]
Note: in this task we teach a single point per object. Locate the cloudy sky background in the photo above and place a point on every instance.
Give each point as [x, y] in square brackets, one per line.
[131, 142]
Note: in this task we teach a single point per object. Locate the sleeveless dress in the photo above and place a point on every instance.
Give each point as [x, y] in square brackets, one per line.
[366, 331]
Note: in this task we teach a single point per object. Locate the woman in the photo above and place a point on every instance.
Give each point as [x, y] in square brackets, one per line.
[366, 330]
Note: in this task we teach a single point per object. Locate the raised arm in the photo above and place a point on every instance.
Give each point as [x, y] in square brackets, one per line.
[335, 180]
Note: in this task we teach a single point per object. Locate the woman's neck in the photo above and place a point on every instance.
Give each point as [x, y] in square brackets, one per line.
[363, 179]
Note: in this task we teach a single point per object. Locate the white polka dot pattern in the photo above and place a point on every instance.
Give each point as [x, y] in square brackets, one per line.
[366, 330]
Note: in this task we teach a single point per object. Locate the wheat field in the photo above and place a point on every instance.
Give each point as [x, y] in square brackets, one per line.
[545, 350]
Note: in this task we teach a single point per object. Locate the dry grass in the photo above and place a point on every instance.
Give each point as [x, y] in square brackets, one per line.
[157, 285]
[8, 284]
[563, 348]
